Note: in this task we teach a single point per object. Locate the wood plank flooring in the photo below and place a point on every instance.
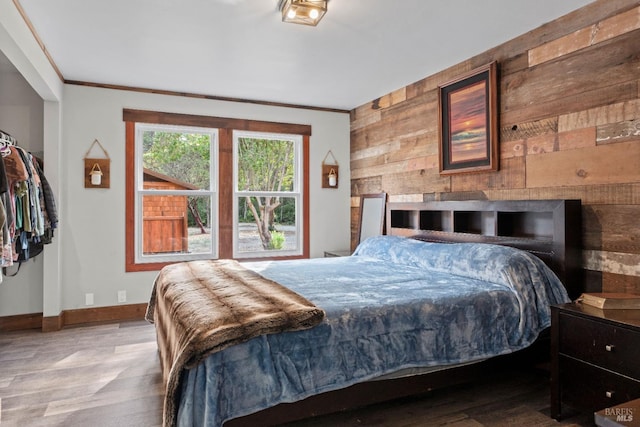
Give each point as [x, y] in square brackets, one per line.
[109, 375]
[106, 375]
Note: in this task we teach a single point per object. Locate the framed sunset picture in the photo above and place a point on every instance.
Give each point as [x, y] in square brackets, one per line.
[469, 122]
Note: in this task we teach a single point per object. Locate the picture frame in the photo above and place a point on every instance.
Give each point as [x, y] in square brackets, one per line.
[468, 122]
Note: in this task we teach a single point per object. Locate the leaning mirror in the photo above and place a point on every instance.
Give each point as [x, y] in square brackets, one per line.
[372, 208]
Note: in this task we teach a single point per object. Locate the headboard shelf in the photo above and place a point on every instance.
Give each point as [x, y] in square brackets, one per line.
[550, 229]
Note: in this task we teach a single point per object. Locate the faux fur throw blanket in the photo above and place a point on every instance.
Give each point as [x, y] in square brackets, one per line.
[201, 307]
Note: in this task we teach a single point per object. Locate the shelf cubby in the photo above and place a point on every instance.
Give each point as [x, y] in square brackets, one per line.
[537, 225]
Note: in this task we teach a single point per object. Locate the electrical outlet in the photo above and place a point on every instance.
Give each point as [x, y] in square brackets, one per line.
[122, 296]
[88, 299]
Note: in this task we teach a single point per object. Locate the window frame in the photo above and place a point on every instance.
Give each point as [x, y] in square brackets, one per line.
[225, 182]
[296, 193]
[140, 191]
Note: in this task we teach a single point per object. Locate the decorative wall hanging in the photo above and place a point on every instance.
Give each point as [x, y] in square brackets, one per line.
[469, 122]
[96, 170]
[329, 172]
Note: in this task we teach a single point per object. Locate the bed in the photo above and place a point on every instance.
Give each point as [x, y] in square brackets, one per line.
[402, 308]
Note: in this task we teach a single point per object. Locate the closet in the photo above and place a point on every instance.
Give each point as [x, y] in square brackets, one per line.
[22, 116]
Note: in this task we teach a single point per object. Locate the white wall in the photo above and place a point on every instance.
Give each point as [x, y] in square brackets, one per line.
[93, 241]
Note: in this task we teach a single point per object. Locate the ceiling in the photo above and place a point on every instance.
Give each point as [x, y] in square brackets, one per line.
[361, 50]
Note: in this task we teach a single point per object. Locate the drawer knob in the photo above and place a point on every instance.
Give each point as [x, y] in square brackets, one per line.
[609, 347]
[609, 394]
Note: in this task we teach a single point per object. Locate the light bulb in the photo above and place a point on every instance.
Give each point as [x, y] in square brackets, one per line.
[313, 14]
[291, 13]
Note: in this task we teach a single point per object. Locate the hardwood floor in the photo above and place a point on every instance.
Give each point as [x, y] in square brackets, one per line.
[109, 375]
[106, 375]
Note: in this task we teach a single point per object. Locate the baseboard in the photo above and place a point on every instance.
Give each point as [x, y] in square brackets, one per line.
[52, 323]
[21, 322]
[81, 316]
[114, 313]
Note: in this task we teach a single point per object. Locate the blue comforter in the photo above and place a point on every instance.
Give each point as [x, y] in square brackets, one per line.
[396, 303]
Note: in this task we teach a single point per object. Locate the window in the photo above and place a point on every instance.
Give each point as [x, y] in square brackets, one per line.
[267, 194]
[196, 184]
[175, 193]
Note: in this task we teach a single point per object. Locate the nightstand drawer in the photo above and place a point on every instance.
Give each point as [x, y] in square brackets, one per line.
[587, 386]
[609, 346]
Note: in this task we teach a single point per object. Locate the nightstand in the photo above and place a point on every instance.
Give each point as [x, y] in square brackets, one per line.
[595, 357]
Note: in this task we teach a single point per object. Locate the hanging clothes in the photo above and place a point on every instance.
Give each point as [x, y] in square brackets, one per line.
[29, 213]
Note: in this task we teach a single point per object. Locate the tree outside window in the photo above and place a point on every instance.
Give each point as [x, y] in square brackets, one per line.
[267, 194]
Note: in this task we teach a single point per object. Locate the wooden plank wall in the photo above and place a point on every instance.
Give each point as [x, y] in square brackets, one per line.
[570, 128]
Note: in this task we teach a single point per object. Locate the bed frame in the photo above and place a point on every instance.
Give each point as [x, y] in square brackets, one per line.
[550, 229]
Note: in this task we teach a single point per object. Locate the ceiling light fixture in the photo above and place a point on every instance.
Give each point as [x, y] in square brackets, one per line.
[307, 12]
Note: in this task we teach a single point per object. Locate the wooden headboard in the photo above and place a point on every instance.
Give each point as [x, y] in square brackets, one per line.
[550, 229]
